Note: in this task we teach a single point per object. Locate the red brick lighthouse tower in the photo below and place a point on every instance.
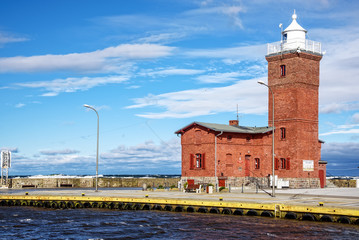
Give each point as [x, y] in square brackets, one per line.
[293, 76]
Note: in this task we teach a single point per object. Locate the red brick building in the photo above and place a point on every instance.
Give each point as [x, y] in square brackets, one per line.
[232, 154]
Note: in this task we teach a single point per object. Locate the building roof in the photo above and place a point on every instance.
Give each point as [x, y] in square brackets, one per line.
[294, 26]
[227, 128]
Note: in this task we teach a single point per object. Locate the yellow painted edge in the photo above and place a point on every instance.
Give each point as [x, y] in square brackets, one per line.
[186, 202]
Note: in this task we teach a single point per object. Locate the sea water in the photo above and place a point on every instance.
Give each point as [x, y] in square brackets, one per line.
[41, 223]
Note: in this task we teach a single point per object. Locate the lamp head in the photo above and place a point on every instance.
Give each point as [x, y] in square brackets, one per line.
[261, 82]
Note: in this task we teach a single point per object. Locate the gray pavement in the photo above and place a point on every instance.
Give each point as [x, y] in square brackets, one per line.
[331, 197]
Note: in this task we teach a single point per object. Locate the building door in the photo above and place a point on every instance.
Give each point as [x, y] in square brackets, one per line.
[221, 182]
[247, 162]
[322, 178]
[190, 182]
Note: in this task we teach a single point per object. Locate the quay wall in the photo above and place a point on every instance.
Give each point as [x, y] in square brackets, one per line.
[351, 183]
[17, 183]
[273, 210]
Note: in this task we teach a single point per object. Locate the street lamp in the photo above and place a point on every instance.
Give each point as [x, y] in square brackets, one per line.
[273, 175]
[98, 126]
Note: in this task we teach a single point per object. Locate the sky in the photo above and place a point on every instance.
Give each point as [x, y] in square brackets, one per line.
[153, 67]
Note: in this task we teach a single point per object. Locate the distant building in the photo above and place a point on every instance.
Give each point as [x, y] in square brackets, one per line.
[232, 154]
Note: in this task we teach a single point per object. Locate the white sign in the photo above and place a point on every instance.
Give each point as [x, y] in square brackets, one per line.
[5, 159]
[308, 165]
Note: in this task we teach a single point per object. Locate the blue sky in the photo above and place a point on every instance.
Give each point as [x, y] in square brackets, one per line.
[152, 67]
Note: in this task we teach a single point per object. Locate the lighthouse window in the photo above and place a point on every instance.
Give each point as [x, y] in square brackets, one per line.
[257, 163]
[282, 70]
[282, 133]
[284, 37]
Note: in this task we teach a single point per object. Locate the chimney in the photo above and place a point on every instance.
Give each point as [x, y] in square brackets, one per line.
[233, 122]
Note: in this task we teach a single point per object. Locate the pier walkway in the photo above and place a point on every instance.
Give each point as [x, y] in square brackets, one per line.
[328, 204]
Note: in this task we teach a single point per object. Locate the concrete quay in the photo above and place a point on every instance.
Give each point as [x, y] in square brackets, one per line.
[333, 197]
[328, 204]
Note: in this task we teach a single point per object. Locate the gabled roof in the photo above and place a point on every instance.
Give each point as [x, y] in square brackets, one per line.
[227, 128]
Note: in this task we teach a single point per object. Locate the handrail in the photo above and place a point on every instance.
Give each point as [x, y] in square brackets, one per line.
[294, 44]
[257, 182]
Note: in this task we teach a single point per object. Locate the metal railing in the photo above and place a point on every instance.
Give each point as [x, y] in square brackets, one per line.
[255, 180]
[307, 45]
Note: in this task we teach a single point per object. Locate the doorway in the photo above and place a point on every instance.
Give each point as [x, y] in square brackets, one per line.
[221, 182]
[247, 162]
[322, 178]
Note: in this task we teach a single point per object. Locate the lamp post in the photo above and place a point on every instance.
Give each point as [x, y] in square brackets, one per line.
[215, 159]
[273, 174]
[98, 127]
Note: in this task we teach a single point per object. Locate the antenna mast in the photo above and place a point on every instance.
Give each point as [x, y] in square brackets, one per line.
[237, 114]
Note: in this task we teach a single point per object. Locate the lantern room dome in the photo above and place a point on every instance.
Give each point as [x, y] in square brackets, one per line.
[294, 26]
[294, 35]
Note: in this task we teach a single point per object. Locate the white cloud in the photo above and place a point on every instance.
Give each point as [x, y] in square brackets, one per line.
[7, 38]
[355, 118]
[57, 86]
[58, 152]
[20, 105]
[219, 77]
[11, 149]
[172, 71]
[230, 61]
[250, 97]
[342, 158]
[232, 12]
[251, 52]
[133, 87]
[350, 131]
[162, 37]
[348, 126]
[147, 155]
[342, 152]
[339, 69]
[351, 128]
[105, 60]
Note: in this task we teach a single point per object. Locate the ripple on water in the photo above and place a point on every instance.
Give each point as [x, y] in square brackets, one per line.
[38, 223]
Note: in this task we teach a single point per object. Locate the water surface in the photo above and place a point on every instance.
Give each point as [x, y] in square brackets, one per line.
[41, 223]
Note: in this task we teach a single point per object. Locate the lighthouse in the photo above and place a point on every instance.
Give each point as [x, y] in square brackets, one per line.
[293, 76]
[234, 155]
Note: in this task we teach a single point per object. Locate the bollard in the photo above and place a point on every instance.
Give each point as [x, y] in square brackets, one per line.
[229, 187]
[242, 187]
[256, 188]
